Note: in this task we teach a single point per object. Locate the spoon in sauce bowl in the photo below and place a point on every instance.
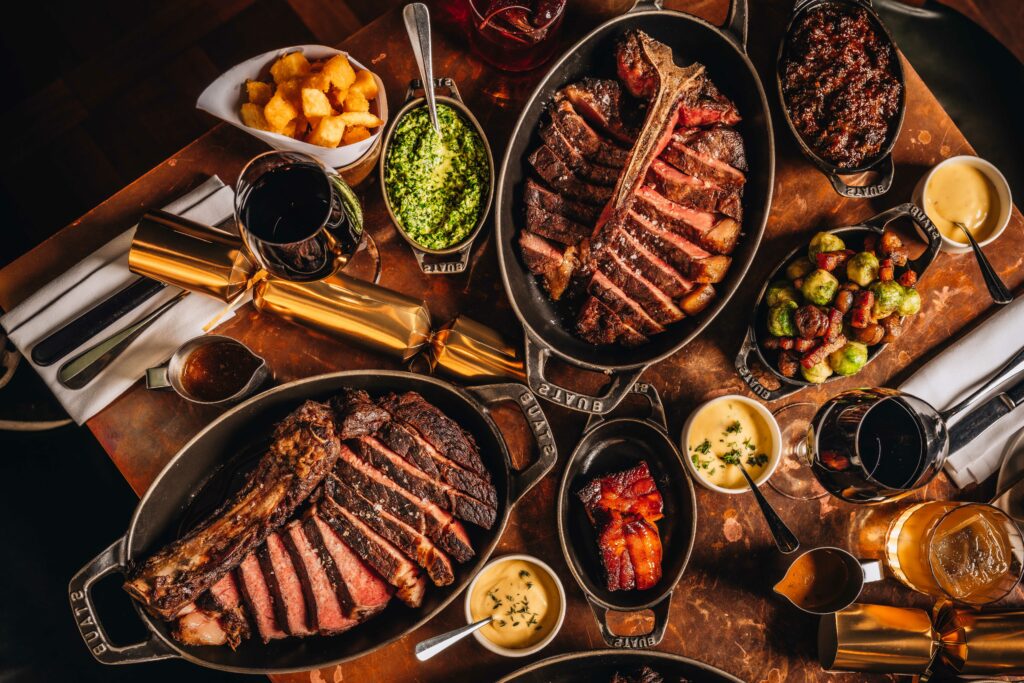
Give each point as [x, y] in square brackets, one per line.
[785, 539]
[996, 289]
[417, 25]
[426, 649]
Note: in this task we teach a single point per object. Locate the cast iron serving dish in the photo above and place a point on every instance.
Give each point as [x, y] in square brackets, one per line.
[723, 52]
[615, 445]
[203, 464]
[882, 162]
[600, 665]
[853, 235]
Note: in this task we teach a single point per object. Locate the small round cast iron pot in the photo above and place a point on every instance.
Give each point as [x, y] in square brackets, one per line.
[602, 665]
[452, 259]
[606, 447]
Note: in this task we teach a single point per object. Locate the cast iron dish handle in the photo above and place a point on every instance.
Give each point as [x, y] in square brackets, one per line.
[742, 367]
[547, 450]
[884, 167]
[650, 639]
[89, 625]
[735, 24]
[537, 359]
[923, 223]
[657, 416]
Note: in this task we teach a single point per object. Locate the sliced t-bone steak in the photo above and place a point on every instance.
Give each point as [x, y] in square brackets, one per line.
[584, 138]
[327, 611]
[717, 235]
[226, 596]
[535, 194]
[580, 165]
[407, 443]
[719, 142]
[259, 599]
[559, 176]
[285, 588]
[554, 227]
[708, 108]
[423, 516]
[625, 275]
[366, 592]
[356, 414]
[414, 544]
[412, 479]
[626, 308]
[688, 190]
[598, 324]
[302, 451]
[600, 103]
[217, 617]
[555, 264]
[690, 259]
[388, 561]
[437, 429]
[700, 164]
[648, 261]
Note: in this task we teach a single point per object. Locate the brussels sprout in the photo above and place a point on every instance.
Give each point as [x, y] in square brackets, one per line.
[824, 241]
[887, 298]
[780, 291]
[849, 359]
[910, 304]
[817, 373]
[820, 287]
[780, 319]
[862, 268]
[799, 268]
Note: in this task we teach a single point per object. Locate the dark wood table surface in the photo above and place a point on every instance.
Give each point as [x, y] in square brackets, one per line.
[723, 611]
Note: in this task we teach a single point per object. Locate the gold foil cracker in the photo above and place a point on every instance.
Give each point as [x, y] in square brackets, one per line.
[474, 352]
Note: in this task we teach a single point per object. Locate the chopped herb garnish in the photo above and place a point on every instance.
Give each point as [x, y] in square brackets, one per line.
[734, 427]
[749, 444]
[523, 574]
[757, 460]
[731, 457]
[703, 448]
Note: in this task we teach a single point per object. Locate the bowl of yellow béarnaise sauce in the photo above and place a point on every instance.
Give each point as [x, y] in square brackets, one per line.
[728, 433]
[968, 190]
[526, 599]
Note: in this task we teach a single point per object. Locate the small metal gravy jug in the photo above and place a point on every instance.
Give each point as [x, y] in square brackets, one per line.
[826, 579]
[176, 374]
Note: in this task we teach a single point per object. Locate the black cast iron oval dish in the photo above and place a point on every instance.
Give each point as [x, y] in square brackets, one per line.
[601, 665]
[614, 445]
[882, 162]
[722, 51]
[174, 493]
[854, 236]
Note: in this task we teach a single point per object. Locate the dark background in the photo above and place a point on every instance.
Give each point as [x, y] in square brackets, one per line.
[97, 93]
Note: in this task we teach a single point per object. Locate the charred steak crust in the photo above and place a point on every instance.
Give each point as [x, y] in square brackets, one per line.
[439, 430]
[303, 450]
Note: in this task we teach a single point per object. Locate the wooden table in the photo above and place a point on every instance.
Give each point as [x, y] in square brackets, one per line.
[723, 612]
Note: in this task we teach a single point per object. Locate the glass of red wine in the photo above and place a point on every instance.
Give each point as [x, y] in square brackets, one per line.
[515, 35]
[299, 219]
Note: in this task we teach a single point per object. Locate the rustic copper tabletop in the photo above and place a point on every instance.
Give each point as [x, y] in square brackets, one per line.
[723, 612]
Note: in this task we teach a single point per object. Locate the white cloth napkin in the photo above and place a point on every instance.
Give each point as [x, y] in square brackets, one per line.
[95, 278]
[962, 368]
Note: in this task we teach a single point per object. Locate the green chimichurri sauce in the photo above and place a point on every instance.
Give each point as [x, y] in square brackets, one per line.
[437, 185]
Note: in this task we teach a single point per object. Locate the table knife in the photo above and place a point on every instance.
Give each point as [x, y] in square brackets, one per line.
[978, 420]
[98, 318]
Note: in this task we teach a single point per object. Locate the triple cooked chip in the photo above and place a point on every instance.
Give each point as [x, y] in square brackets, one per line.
[324, 103]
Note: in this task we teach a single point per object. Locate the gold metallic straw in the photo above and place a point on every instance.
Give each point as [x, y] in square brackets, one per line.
[876, 638]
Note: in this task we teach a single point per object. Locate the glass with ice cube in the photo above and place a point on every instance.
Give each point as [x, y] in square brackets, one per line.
[971, 553]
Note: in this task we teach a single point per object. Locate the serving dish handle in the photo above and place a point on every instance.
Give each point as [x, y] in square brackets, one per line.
[536, 361]
[657, 416]
[924, 225]
[547, 450]
[649, 639]
[886, 170]
[735, 23]
[743, 368]
[89, 625]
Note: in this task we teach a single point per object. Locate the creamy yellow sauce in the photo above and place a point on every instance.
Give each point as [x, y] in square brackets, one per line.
[725, 436]
[959, 192]
[522, 598]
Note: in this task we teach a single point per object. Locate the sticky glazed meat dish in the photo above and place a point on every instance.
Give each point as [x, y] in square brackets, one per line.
[353, 502]
[623, 509]
[629, 269]
[839, 84]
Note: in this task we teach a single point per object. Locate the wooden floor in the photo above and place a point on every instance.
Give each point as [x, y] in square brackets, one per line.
[111, 91]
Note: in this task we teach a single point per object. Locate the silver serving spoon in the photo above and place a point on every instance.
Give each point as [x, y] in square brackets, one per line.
[417, 25]
[784, 538]
[431, 646]
[996, 289]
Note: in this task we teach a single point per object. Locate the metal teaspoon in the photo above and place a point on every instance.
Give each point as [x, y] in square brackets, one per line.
[417, 25]
[784, 538]
[431, 646]
[996, 289]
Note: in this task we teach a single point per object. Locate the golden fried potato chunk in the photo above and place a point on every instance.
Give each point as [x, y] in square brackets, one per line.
[366, 84]
[258, 92]
[279, 111]
[327, 132]
[317, 80]
[354, 134]
[340, 72]
[292, 65]
[360, 118]
[252, 116]
[356, 101]
[315, 103]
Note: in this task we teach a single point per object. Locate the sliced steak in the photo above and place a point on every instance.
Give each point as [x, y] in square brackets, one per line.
[387, 560]
[226, 596]
[437, 429]
[719, 143]
[598, 324]
[425, 517]
[580, 165]
[600, 103]
[632, 313]
[648, 261]
[554, 227]
[693, 261]
[559, 176]
[633, 67]
[414, 448]
[366, 593]
[217, 617]
[411, 542]
[356, 414]
[584, 138]
[701, 165]
[321, 594]
[285, 588]
[688, 190]
[717, 235]
[412, 479]
[708, 108]
[258, 599]
[535, 194]
[540, 255]
[626, 276]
